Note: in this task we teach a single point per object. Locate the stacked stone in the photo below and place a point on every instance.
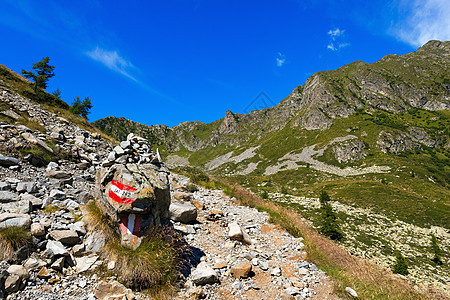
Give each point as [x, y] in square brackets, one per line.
[133, 189]
[134, 150]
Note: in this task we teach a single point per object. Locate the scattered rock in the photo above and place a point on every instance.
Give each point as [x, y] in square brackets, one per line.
[241, 270]
[184, 213]
[204, 274]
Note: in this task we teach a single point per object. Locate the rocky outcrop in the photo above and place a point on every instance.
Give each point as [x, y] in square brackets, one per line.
[349, 151]
[133, 190]
[399, 141]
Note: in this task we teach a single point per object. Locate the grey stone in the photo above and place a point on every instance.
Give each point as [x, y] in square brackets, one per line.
[235, 232]
[19, 270]
[6, 161]
[119, 150]
[6, 196]
[68, 237]
[37, 229]
[13, 219]
[204, 274]
[94, 241]
[276, 272]
[12, 284]
[29, 187]
[34, 140]
[57, 194]
[56, 247]
[34, 264]
[4, 186]
[85, 262]
[78, 227]
[35, 202]
[18, 207]
[58, 264]
[112, 156]
[125, 144]
[78, 250]
[184, 213]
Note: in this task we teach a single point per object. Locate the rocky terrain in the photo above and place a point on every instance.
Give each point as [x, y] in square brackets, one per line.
[239, 254]
[245, 256]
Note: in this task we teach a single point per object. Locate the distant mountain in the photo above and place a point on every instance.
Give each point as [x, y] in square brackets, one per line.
[374, 136]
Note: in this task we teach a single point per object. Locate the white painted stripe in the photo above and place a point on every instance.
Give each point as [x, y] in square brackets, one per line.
[131, 219]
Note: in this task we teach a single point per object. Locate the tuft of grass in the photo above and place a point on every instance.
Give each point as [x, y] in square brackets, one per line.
[153, 267]
[50, 209]
[12, 239]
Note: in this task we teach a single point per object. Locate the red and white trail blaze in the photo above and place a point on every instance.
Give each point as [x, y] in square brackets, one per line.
[121, 193]
[131, 224]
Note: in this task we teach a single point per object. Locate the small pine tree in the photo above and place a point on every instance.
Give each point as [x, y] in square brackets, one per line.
[436, 250]
[57, 93]
[81, 108]
[40, 74]
[329, 225]
[400, 266]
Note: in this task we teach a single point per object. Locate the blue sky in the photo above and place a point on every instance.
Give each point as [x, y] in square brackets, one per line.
[165, 62]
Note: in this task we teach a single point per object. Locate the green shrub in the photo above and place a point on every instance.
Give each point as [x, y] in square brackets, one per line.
[400, 266]
[191, 188]
[264, 195]
[328, 221]
[196, 178]
[436, 250]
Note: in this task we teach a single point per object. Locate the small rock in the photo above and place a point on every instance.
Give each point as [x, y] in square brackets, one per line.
[184, 213]
[113, 290]
[236, 233]
[204, 274]
[241, 270]
[37, 229]
[68, 237]
[276, 272]
[351, 291]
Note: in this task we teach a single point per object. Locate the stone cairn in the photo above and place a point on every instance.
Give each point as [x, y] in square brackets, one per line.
[133, 190]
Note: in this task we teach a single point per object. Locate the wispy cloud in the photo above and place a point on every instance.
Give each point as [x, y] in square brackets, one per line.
[336, 40]
[112, 60]
[280, 59]
[422, 20]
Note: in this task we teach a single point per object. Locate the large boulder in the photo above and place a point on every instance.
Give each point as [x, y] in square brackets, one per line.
[134, 191]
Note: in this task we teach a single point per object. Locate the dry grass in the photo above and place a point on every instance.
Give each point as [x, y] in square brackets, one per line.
[12, 239]
[152, 266]
[370, 281]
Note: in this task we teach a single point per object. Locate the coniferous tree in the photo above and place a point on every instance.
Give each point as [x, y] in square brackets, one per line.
[81, 108]
[329, 225]
[57, 93]
[400, 266]
[436, 250]
[40, 74]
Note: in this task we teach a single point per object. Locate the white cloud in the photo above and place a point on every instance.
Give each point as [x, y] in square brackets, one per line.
[281, 59]
[422, 20]
[112, 60]
[335, 33]
[336, 42]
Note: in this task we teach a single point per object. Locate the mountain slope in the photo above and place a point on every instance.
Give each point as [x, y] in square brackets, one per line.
[375, 136]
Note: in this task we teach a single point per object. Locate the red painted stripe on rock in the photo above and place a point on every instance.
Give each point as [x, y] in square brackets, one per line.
[123, 186]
